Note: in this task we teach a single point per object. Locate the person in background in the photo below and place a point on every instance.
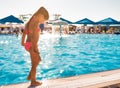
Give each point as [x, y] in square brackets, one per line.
[41, 27]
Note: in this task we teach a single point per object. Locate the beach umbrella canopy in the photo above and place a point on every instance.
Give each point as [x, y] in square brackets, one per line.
[69, 22]
[11, 19]
[108, 21]
[0, 21]
[59, 22]
[85, 21]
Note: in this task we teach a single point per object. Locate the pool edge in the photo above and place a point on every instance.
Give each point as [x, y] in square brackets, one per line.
[93, 80]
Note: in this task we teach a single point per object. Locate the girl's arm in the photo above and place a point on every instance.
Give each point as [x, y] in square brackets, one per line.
[23, 37]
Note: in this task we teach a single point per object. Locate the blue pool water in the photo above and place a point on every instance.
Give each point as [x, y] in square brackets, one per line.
[61, 57]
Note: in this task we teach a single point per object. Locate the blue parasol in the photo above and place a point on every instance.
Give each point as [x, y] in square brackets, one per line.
[11, 19]
[108, 21]
[69, 22]
[85, 21]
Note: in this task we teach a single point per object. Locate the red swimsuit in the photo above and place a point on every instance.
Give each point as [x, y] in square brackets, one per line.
[28, 45]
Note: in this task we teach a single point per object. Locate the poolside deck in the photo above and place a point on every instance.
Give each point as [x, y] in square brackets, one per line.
[107, 79]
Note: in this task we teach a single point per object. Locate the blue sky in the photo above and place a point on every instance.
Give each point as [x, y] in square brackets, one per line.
[72, 10]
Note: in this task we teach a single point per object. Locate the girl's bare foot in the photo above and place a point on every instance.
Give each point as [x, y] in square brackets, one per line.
[35, 83]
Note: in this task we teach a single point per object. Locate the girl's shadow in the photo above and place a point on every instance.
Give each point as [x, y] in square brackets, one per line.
[32, 86]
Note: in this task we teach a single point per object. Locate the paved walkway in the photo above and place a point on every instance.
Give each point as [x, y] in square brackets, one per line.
[108, 79]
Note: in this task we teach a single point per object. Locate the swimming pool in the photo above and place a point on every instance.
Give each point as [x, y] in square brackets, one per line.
[61, 56]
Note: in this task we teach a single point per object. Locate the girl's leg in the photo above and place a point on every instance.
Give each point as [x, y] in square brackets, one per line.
[35, 59]
[35, 63]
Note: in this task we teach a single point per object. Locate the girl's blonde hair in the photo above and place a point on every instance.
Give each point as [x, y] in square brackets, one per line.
[42, 11]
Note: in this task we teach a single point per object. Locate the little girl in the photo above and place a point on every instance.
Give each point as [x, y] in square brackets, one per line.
[32, 31]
